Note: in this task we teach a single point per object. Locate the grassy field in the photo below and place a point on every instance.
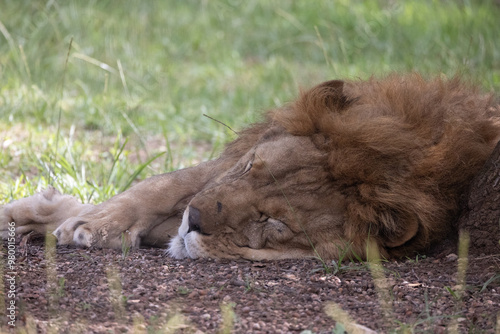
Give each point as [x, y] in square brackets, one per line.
[92, 91]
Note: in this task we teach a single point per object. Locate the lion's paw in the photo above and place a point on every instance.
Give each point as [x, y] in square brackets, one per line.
[40, 214]
[66, 233]
[98, 230]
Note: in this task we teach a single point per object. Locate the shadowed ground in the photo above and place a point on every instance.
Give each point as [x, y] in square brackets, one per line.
[277, 297]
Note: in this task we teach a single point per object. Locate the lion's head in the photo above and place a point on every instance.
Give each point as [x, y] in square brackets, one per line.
[267, 205]
[382, 160]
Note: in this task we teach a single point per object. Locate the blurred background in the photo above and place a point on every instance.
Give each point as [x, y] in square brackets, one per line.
[97, 94]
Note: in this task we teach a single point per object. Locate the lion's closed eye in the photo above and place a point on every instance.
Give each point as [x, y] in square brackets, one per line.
[248, 167]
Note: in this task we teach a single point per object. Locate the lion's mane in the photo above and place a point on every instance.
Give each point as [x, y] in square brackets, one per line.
[401, 150]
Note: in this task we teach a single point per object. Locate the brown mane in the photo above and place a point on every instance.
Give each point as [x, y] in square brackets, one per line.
[402, 150]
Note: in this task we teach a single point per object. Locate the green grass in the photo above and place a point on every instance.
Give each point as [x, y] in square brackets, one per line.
[145, 73]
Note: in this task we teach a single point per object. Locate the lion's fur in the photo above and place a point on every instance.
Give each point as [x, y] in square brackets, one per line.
[385, 159]
[401, 149]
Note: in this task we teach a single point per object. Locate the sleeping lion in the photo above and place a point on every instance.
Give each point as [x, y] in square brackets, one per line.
[348, 161]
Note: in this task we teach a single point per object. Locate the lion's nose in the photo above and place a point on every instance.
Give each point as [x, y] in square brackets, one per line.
[194, 220]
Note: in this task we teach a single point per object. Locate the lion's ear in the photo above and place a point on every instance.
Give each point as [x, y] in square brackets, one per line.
[331, 93]
[312, 111]
[335, 84]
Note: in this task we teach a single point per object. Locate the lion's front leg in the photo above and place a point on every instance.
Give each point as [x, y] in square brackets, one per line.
[148, 213]
[121, 220]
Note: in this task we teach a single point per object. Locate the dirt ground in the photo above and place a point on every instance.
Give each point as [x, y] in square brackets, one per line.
[103, 291]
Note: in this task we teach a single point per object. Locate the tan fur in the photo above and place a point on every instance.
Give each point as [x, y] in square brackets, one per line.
[347, 161]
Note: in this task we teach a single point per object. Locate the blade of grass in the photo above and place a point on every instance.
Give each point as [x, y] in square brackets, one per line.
[60, 107]
[116, 158]
[379, 280]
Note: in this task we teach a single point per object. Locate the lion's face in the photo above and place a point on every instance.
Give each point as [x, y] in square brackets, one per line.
[265, 206]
